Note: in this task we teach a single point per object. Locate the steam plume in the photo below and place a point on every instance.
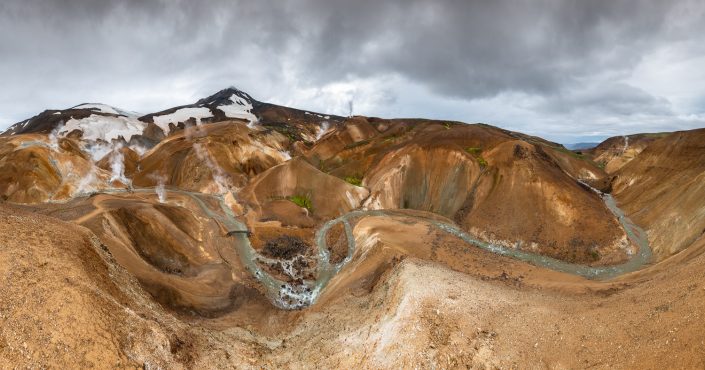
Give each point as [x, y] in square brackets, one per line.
[117, 165]
[54, 136]
[219, 176]
[323, 129]
[87, 181]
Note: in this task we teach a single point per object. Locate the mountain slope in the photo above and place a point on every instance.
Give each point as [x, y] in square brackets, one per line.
[504, 187]
[615, 152]
[663, 189]
[213, 157]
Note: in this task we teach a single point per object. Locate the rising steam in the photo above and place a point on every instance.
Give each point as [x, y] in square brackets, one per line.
[159, 188]
[191, 130]
[219, 176]
[117, 165]
[322, 130]
[86, 186]
[54, 136]
[161, 193]
[285, 154]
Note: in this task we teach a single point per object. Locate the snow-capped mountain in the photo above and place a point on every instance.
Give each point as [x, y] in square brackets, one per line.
[230, 103]
[106, 109]
[106, 123]
[96, 122]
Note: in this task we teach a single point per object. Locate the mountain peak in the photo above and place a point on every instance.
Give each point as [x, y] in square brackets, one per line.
[105, 109]
[224, 97]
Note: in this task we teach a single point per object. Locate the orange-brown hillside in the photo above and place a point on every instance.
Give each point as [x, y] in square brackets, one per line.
[663, 189]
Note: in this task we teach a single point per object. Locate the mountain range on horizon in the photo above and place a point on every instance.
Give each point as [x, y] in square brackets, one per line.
[238, 104]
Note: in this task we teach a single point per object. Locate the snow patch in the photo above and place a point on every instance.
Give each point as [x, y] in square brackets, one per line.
[240, 108]
[96, 127]
[181, 115]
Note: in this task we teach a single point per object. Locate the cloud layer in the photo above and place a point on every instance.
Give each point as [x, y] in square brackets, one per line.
[565, 70]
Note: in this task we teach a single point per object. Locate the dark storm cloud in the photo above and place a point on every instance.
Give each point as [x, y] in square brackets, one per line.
[563, 58]
[474, 49]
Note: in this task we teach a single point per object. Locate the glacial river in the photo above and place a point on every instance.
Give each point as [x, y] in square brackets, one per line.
[294, 296]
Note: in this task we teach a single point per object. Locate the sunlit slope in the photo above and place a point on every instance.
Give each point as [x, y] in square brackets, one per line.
[663, 189]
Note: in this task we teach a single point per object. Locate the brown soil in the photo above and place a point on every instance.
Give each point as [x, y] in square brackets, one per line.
[337, 243]
[285, 247]
[230, 146]
[330, 196]
[615, 152]
[663, 190]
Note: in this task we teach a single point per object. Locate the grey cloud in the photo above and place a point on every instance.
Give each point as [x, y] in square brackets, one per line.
[155, 54]
[613, 99]
[479, 49]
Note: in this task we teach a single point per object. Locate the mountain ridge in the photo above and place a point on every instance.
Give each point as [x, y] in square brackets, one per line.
[49, 119]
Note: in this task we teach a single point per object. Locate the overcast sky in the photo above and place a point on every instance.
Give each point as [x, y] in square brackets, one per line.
[564, 70]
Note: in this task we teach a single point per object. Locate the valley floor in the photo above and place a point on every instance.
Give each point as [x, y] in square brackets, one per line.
[67, 303]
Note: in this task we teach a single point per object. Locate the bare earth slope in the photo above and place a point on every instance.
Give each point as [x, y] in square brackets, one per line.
[413, 313]
[67, 303]
[34, 169]
[230, 150]
[503, 187]
[617, 151]
[663, 189]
